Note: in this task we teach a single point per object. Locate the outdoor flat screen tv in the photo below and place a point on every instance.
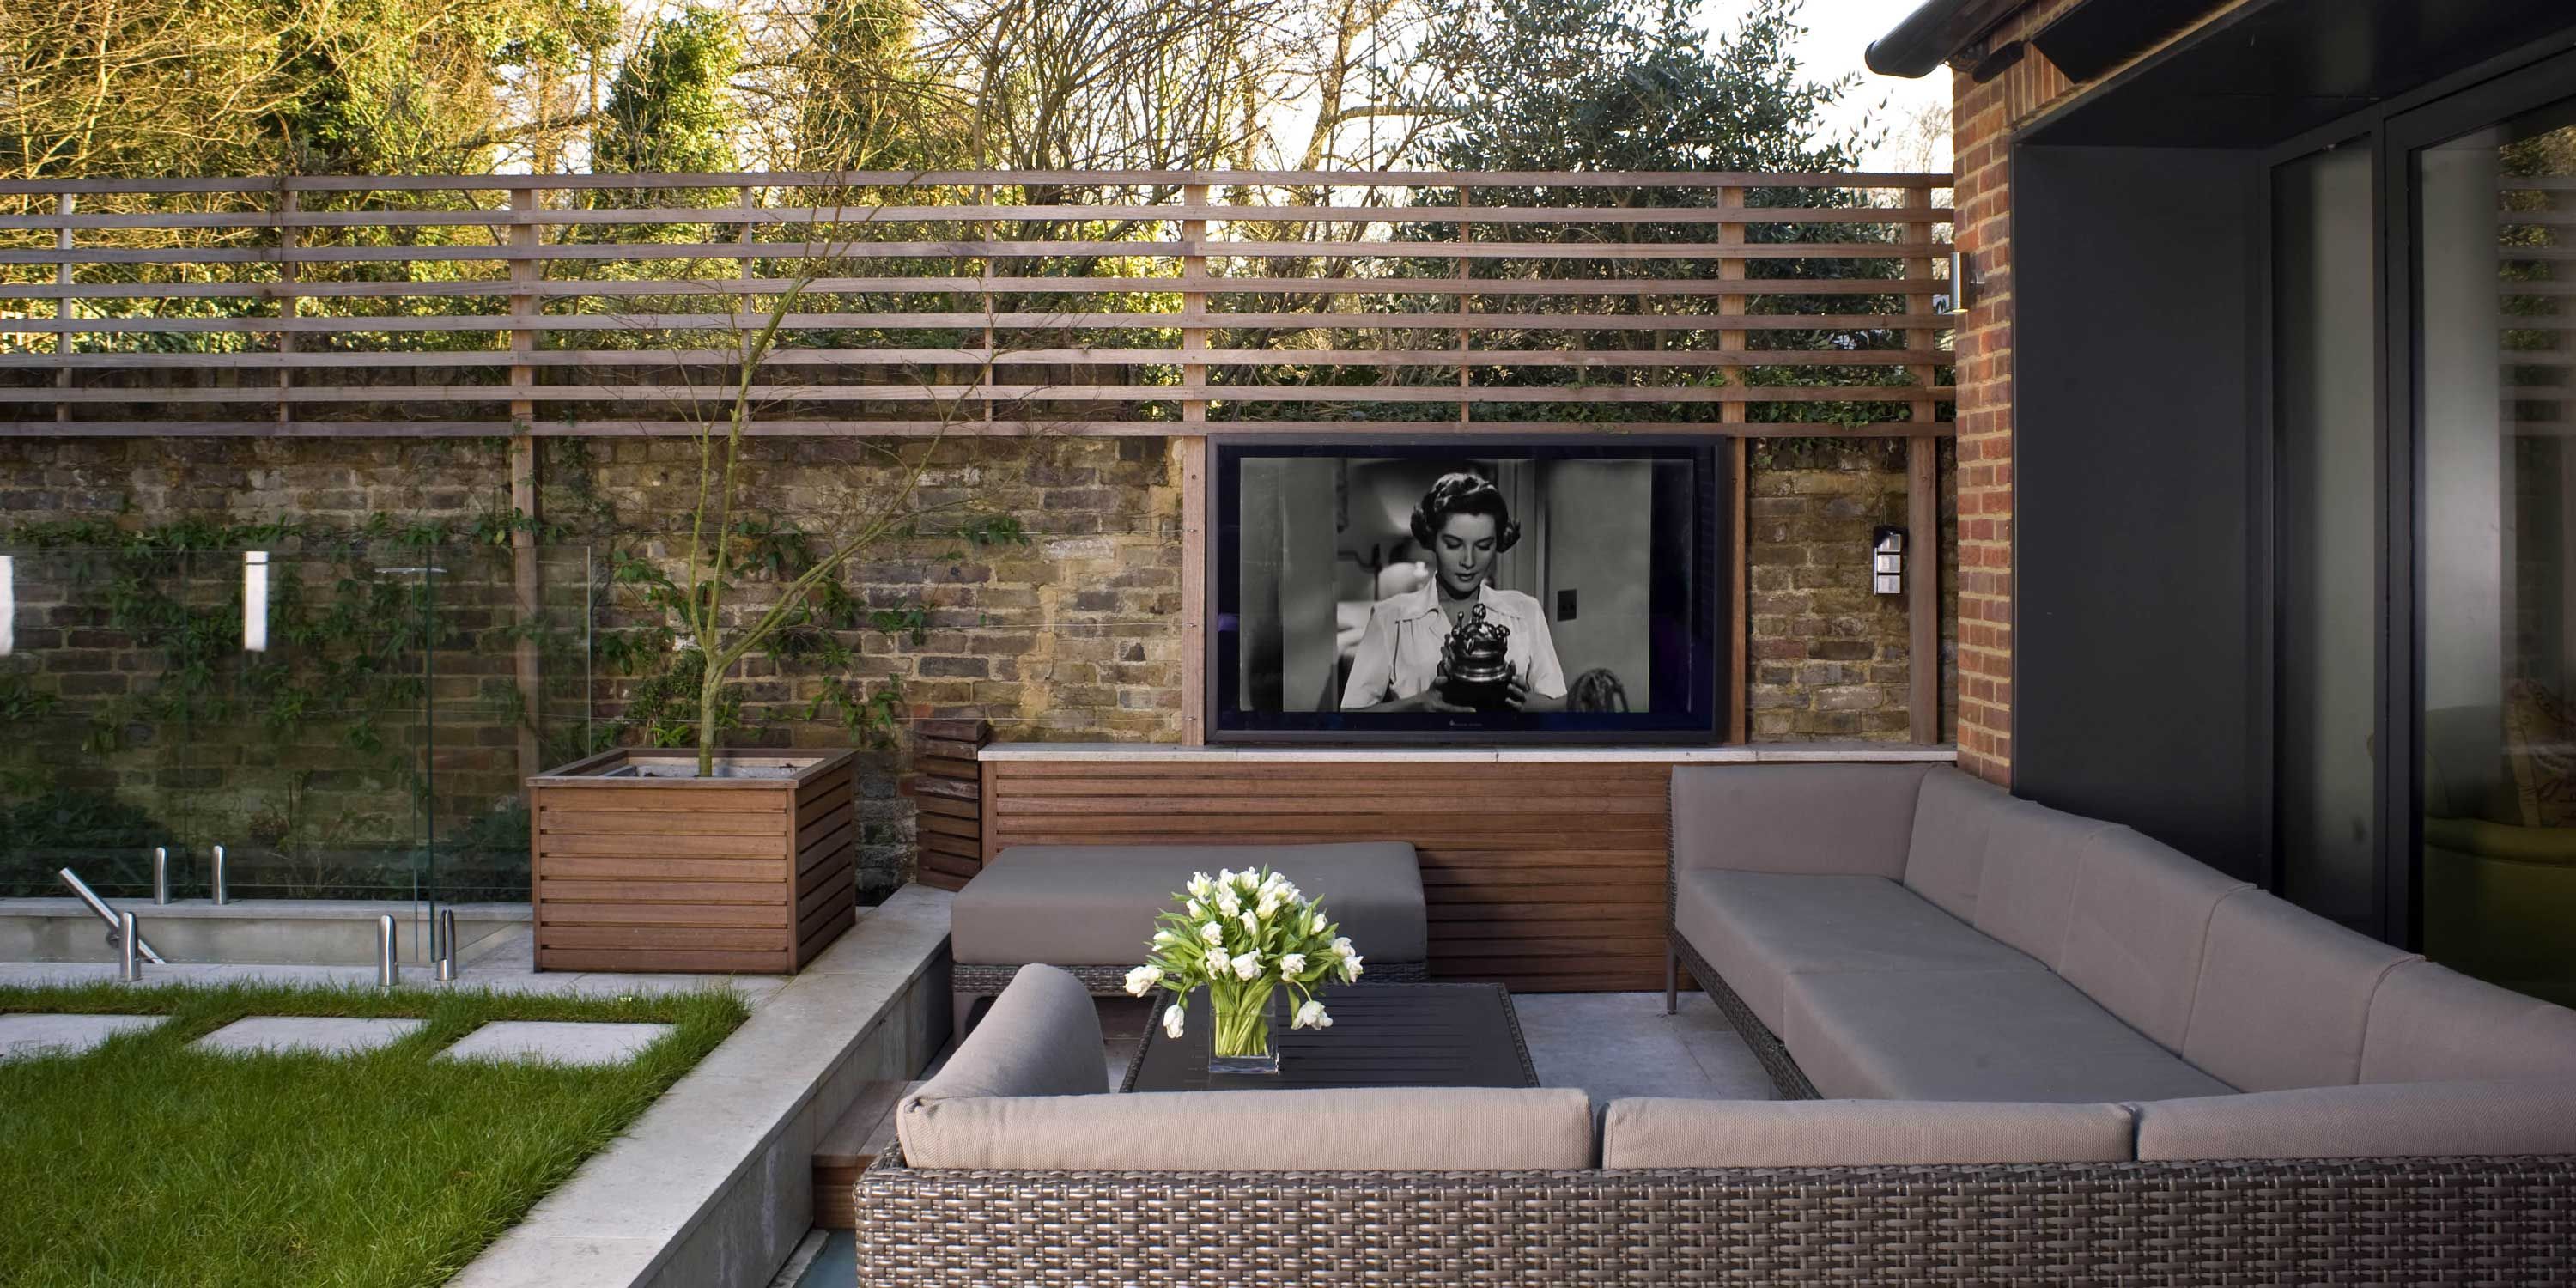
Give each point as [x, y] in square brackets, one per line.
[1465, 589]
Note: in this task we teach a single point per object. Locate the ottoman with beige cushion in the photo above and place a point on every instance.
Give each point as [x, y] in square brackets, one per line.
[1090, 908]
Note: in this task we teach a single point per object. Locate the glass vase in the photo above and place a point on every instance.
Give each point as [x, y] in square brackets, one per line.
[1239, 1040]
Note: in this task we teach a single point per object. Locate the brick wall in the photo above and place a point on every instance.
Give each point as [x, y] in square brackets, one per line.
[1828, 656]
[1073, 636]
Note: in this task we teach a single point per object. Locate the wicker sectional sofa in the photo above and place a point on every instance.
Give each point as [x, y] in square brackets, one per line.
[2254, 1097]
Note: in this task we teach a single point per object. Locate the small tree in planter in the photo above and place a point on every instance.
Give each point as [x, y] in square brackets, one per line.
[685, 855]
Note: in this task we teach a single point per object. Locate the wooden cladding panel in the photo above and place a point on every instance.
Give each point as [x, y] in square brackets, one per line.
[947, 791]
[1546, 877]
[740, 875]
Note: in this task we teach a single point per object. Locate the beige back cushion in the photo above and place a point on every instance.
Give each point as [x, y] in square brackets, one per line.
[1850, 819]
[1954, 816]
[1843, 1133]
[2026, 891]
[2393, 1120]
[1368, 1129]
[1041, 1037]
[2284, 996]
[2134, 938]
[2429, 1023]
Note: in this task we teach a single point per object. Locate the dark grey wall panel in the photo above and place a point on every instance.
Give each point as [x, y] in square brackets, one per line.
[2135, 693]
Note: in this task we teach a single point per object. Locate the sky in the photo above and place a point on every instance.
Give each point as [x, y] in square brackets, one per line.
[1838, 32]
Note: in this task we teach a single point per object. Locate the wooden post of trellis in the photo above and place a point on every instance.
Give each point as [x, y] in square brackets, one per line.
[523, 475]
[1922, 503]
[1730, 267]
[1191, 453]
[64, 205]
[1466, 234]
[289, 202]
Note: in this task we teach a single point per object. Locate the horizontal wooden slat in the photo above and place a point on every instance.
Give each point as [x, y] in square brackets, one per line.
[710, 961]
[1008, 179]
[559, 844]
[664, 938]
[1613, 252]
[563, 889]
[557, 912]
[862, 216]
[611, 867]
[595, 822]
[807, 427]
[1217, 286]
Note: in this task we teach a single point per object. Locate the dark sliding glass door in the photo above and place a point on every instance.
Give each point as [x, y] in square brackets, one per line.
[2494, 403]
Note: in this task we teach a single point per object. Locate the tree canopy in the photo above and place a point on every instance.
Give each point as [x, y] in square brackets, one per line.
[178, 87]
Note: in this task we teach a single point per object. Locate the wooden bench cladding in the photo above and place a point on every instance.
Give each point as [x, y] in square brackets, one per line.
[634, 872]
[1544, 876]
[947, 794]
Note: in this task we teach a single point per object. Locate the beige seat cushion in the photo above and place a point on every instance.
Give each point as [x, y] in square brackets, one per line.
[2389, 1120]
[1974, 1035]
[1954, 817]
[2430, 1023]
[1846, 1133]
[2026, 890]
[1367, 1129]
[2140, 920]
[1850, 819]
[1094, 905]
[2284, 996]
[1760, 928]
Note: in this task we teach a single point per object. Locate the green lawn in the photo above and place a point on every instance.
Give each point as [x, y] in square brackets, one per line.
[143, 1164]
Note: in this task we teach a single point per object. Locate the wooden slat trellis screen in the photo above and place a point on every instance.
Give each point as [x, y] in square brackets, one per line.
[1095, 303]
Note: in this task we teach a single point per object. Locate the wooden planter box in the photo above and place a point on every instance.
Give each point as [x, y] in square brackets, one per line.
[632, 870]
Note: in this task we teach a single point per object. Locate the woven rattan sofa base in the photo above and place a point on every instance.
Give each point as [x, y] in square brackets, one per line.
[1767, 1047]
[970, 979]
[2416, 1221]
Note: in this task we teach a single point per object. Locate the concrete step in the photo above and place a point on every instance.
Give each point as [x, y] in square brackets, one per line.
[852, 1143]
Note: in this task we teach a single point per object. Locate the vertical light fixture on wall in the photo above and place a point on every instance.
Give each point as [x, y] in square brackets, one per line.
[254, 601]
[8, 605]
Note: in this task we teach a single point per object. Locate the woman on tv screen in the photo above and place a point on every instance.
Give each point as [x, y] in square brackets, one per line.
[1403, 660]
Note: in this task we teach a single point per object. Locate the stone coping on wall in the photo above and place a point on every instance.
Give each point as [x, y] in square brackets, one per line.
[1740, 754]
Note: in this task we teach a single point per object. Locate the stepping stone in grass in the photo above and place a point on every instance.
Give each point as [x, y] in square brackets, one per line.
[556, 1041]
[301, 1034]
[28, 1036]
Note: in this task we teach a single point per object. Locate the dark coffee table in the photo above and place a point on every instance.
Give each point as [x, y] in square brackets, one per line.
[1383, 1035]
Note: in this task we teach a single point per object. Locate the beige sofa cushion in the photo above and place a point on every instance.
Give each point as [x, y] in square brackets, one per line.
[1094, 905]
[2429, 1023]
[1853, 819]
[2026, 890]
[2390, 1120]
[2140, 919]
[1842, 1133]
[1974, 1035]
[2284, 996]
[1760, 928]
[1367, 1129]
[1954, 816]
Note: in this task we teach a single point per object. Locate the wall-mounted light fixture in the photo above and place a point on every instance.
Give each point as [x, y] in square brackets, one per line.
[8, 605]
[255, 601]
[1958, 281]
[1887, 561]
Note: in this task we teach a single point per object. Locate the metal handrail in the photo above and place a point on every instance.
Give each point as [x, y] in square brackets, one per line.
[108, 915]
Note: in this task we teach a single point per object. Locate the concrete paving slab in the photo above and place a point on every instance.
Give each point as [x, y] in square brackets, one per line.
[28, 1036]
[1622, 1044]
[298, 1034]
[556, 1041]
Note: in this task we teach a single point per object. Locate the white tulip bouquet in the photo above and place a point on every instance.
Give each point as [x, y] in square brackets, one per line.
[1242, 936]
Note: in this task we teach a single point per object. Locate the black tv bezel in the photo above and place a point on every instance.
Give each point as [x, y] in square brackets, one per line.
[1707, 613]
